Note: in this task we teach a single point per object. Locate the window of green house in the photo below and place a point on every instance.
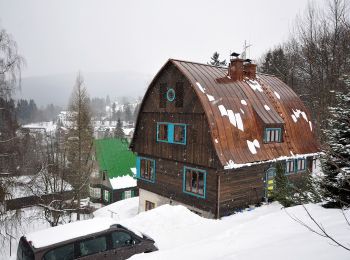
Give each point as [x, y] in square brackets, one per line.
[106, 195]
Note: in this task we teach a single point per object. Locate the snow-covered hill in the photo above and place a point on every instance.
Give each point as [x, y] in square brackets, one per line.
[263, 233]
[267, 232]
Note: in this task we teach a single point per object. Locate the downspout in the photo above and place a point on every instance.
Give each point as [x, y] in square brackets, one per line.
[218, 198]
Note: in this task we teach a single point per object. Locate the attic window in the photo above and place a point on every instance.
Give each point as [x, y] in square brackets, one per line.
[171, 133]
[170, 95]
[162, 132]
[273, 135]
[180, 134]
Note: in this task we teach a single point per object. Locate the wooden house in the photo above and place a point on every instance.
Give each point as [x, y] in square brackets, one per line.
[113, 180]
[209, 137]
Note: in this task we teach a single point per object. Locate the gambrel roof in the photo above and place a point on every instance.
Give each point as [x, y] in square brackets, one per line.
[238, 112]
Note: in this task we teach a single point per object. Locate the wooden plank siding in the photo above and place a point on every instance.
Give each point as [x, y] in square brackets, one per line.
[169, 183]
[245, 186]
[198, 149]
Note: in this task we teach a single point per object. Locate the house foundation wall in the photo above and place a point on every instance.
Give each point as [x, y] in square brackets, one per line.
[159, 200]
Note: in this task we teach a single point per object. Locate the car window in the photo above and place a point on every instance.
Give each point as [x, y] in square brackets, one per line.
[92, 246]
[121, 239]
[63, 253]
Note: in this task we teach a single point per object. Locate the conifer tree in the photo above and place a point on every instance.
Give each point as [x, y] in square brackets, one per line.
[119, 132]
[336, 161]
[215, 61]
[79, 140]
[282, 191]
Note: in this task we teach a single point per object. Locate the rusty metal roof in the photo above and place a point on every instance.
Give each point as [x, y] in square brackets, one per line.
[238, 111]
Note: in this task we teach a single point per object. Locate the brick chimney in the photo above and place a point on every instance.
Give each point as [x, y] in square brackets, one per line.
[249, 69]
[235, 68]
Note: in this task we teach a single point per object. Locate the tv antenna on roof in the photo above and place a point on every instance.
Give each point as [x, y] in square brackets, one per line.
[245, 47]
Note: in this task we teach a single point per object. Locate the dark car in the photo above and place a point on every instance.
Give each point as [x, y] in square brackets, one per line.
[115, 242]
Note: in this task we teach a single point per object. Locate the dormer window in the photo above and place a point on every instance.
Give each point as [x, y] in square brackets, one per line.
[273, 135]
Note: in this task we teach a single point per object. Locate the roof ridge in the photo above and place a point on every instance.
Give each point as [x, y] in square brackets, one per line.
[199, 63]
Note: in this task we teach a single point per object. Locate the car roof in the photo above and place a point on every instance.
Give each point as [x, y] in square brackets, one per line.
[62, 233]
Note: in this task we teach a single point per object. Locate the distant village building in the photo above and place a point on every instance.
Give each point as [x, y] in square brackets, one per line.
[209, 137]
[113, 179]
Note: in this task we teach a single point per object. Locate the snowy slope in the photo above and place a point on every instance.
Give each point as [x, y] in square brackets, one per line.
[264, 233]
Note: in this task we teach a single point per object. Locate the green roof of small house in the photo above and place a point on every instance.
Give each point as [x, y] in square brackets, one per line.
[113, 155]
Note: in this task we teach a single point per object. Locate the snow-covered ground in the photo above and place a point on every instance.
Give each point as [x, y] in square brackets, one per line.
[263, 233]
[267, 232]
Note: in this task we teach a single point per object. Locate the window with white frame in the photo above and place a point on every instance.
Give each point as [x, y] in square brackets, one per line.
[301, 165]
[95, 193]
[127, 194]
[290, 166]
[273, 135]
[106, 195]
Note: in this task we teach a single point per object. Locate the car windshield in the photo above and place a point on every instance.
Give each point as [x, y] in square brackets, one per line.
[24, 251]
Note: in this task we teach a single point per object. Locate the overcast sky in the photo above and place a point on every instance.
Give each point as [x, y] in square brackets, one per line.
[65, 36]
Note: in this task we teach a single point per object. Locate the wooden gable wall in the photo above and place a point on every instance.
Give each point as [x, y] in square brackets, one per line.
[198, 149]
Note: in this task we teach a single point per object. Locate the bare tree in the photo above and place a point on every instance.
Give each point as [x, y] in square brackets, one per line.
[10, 76]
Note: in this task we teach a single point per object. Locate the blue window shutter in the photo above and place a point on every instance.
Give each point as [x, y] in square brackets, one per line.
[170, 133]
[138, 167]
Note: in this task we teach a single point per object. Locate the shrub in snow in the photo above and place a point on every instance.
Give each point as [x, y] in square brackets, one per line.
[306, 190]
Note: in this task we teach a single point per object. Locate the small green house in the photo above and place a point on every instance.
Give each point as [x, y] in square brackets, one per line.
[113, 178]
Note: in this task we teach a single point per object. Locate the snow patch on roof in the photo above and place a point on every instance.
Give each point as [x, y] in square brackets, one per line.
[253, 145]
[231, 117]
[200, 87]
[297, 113]
[254, 85]
[243, 102]
[210, 97]
[242, 111]
[256, 143]
[277, 95]
[235, 118]
[229, 165]
[223, 110]
[310, 124]
[216, 141]
[239, 121]
[122, 182]
[267, 107]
